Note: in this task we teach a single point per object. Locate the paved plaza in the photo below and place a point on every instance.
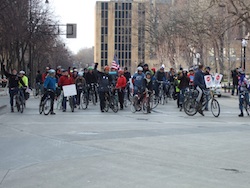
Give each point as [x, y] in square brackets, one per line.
[90, 149]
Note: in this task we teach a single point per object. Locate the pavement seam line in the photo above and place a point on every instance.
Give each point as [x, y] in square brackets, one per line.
[4, 176]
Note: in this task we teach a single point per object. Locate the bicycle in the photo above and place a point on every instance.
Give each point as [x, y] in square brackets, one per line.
[162, 97]
[45, 106]
[191, 106]
[19, 100]
[127, 95]
[144, 105]
[92, 93]
[246, 104]
[111, 100]
[84, 101]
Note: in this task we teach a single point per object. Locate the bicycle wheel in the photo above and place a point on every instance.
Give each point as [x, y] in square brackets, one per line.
[133, 105]
[17, 103]
[84, 101]
[145, 105]
[93, 99]
[40, 108]
[215, 108]
[190, 107]
[71, 103]
[153, 102]
[46, 106]
[21, 104]
[246, 106]
[114, 104]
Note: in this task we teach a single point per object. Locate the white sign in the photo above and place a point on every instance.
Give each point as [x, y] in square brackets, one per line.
[208, 81]
[217, 79]
[69, 90]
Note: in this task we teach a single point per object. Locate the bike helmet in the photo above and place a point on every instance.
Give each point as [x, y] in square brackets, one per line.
[21, 72]
[148, 73]
[139, 69]
[51, 71]
[90, 68]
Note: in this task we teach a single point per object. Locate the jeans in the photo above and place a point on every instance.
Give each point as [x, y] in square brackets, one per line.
[241, 100]
[12, 93]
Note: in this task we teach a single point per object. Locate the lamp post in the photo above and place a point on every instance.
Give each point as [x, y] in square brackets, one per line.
[244, 45]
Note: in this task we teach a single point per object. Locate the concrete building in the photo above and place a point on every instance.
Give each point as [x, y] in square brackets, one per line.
[120, 31]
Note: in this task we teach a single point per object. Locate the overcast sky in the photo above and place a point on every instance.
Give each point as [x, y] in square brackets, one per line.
[81, 12]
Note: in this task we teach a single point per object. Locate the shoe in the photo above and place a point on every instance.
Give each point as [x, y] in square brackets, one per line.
[121, 108]
[12, 109]
[64, 110]
[241, 115]
[52, 113]
[102, 110]
[201, 112]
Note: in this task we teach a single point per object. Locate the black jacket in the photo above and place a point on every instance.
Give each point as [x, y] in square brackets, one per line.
[13, 79]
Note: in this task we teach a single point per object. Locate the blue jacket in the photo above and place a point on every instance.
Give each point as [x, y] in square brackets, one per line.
[199, 79]
[138, 79]
[50, 83]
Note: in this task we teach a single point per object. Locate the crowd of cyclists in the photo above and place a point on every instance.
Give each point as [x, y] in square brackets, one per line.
[174, 83]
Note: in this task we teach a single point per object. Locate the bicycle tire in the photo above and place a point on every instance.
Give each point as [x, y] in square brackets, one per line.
[190, 107]
[145, 106]
[93, 99]
[71, 103]
[153, 102]
[21, 104]
[215, 106]
[84, 101]
[46, 106]
[132, 106]
[41, 109]
[114, 104]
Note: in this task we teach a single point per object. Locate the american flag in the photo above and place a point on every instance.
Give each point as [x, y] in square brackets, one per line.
[115, 63]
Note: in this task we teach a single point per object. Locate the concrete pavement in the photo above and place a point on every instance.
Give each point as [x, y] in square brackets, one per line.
[92, 149]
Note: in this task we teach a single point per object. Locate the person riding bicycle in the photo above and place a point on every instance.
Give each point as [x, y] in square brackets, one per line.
[184, 84]
[91, 78]
[121, 85]
[160, 77]
[14, 80]
[65, 80]
[138, 80]
[105, 81]
[199, 84]
[25, 86]
[80, 87]
[50, 89]
[243, 88]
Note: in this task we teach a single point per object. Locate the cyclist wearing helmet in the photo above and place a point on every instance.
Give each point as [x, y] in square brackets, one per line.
[160, 77]
[243, 88]
[137, 80]
[49, 89]
[121, 84]
[104, 80]
[80, 86]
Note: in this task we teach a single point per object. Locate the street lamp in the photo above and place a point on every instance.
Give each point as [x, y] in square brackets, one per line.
[244, 45]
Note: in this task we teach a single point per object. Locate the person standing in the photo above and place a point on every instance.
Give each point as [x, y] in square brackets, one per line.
[243, 89]
[121, 85]
[235, 77]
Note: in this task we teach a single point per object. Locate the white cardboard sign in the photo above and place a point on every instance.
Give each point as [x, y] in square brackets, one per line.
[217, 79]
[69, 90]
[208, 81]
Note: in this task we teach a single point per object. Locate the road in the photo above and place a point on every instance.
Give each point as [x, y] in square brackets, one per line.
[91, 149]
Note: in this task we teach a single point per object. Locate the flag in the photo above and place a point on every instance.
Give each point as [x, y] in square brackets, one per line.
[115, 63]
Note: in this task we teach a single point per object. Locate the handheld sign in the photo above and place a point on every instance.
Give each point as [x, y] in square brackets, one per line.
[217, 79]
[69, 90]
[208, 81]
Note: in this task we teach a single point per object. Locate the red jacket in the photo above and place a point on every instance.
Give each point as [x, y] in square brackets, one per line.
[121, 82]
[65, 81]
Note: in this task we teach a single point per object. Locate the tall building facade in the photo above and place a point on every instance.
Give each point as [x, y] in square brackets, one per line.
[120, 32]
